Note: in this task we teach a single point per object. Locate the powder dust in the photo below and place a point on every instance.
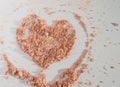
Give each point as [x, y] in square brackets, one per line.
[47, 45]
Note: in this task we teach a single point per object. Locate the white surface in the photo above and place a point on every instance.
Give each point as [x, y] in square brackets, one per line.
[104, 12]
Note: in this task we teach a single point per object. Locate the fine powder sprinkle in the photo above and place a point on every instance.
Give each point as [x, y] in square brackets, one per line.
[47, 45]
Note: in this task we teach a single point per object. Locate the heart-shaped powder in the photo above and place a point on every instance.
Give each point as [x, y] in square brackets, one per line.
[45, 44]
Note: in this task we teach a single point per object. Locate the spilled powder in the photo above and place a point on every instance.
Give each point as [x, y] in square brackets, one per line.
[98, 86]
[82, 23]
[91, 59]
[1, 42]
[86, 4]
[112, 67]
[47, 45]
[114, 24]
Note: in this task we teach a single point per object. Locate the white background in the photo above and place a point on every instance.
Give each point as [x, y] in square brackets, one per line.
[106, 48]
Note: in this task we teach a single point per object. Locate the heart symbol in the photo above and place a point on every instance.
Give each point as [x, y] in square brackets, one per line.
[45, 44]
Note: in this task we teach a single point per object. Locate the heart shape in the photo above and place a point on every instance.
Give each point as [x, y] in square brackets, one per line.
[45, 44]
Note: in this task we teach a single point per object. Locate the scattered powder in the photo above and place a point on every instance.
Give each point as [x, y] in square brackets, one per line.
[105, 72]
[113, 81]
[89, 83]
[85, 83]
[117, 29]
[62, 11]
[115, 24]
[112, 67]
[91, 59]
[6, 77]
[89, 71]
[52, 12]
[82, 23]
[49, 12]
[93, 35]
[100, 81]
[66, 79]
[46, 45]
[93, 76]
[1, 42]
[105, 45]
[104, 67]
[80, 83]
[86, 4]
[90, 18]
[98, 85]
[63, 4]
[18, 7]
[89, 41]
[107, 30]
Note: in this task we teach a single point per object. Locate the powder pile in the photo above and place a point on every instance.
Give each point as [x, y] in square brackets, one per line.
[45, 44]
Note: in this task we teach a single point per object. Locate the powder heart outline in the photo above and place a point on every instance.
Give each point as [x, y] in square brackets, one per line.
[46, 44]
[72, 73]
